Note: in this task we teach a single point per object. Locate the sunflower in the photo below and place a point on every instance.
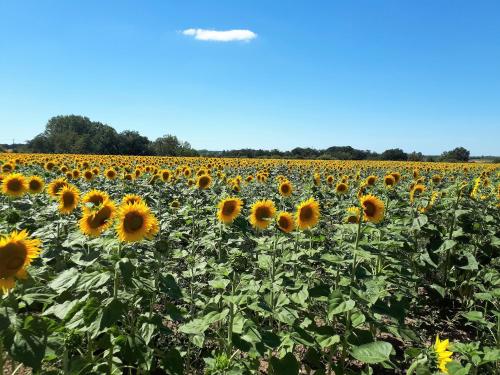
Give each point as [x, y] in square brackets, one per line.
[417, 190]
[96, 221]
[95, 198]
[175, 204]
[330, 179]
[389, 181]
[7, 167]
[135, 222]
[55, 186]
[131, 199]
[88, 175]
[373, 208]
[317, 179]
[16, 253]
[397, 176]
[76, 173]
[153, 229]
[35, 184]
[14, 185]
[307, 215]
[285, 222]
[370, 180]
[443, 354]
[229, 209]
[203, 181]
[166, 175]
[341, 188]
[261, 214]
[436, 178]
[285, 188]
[68, 199]
[110, 173]
[352, 215]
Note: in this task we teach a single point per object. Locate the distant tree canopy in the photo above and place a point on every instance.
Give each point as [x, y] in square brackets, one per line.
[80, 135]
[458, 154]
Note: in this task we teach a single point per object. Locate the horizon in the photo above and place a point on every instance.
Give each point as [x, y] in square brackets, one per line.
[419, 76]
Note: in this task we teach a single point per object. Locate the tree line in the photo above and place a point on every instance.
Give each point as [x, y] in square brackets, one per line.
[79, 135]
[458, 154]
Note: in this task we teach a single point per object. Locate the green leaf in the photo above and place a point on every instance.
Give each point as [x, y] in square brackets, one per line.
[60, 310]
[173, 363]
[126, 271]
[30, 342]
[112, 313]
[219, 283]
[287, 365]
[374, 352]
[338, 305]
[472, 264]
[93, 280]
[65, 280]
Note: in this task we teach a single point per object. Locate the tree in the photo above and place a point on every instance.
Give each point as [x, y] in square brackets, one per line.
[415, 156]
[458, 154]
[132, 143]
[394, 154]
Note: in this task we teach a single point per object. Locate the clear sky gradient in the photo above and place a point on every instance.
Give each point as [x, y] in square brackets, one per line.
[422, 75]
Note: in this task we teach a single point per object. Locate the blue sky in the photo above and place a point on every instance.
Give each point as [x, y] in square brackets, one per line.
[422, 75]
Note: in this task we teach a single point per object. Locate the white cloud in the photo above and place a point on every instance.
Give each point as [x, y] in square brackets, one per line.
[221, 36]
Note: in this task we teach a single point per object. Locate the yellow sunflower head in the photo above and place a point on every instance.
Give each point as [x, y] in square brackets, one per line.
[14, 185]
[110, 173]
[135, 222]
[55, 186]
[341, 188]
[285, 188]
[370, 180]
[353, 215]
[262, 213]
[373, 208]
[417, 190]
[166, 175]
[203, 181]
[88, 175]
[443, 355]
[307, 215]
[68, 199]
[94, 198]
[35, 184]
[285, 222]
[97, 220]
[229, 209]
[389, 181]
[16, 253]
[131, 199]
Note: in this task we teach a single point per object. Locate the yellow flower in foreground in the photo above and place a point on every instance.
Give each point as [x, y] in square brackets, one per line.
[443, 354]
[35, 184]
[16, 253]
[373, 208]
[14, 185]
[352, 215]
[68, 199]
[135, 222]
[307, 215]
[97, 220]
[285, 222]
[229, 209]
[261, 214]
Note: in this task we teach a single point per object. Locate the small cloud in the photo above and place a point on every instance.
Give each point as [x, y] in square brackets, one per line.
[221, 36]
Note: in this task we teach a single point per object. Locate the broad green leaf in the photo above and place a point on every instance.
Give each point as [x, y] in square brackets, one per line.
[374, 352]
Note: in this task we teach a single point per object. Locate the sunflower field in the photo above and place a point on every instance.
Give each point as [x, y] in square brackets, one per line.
[166, 265]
